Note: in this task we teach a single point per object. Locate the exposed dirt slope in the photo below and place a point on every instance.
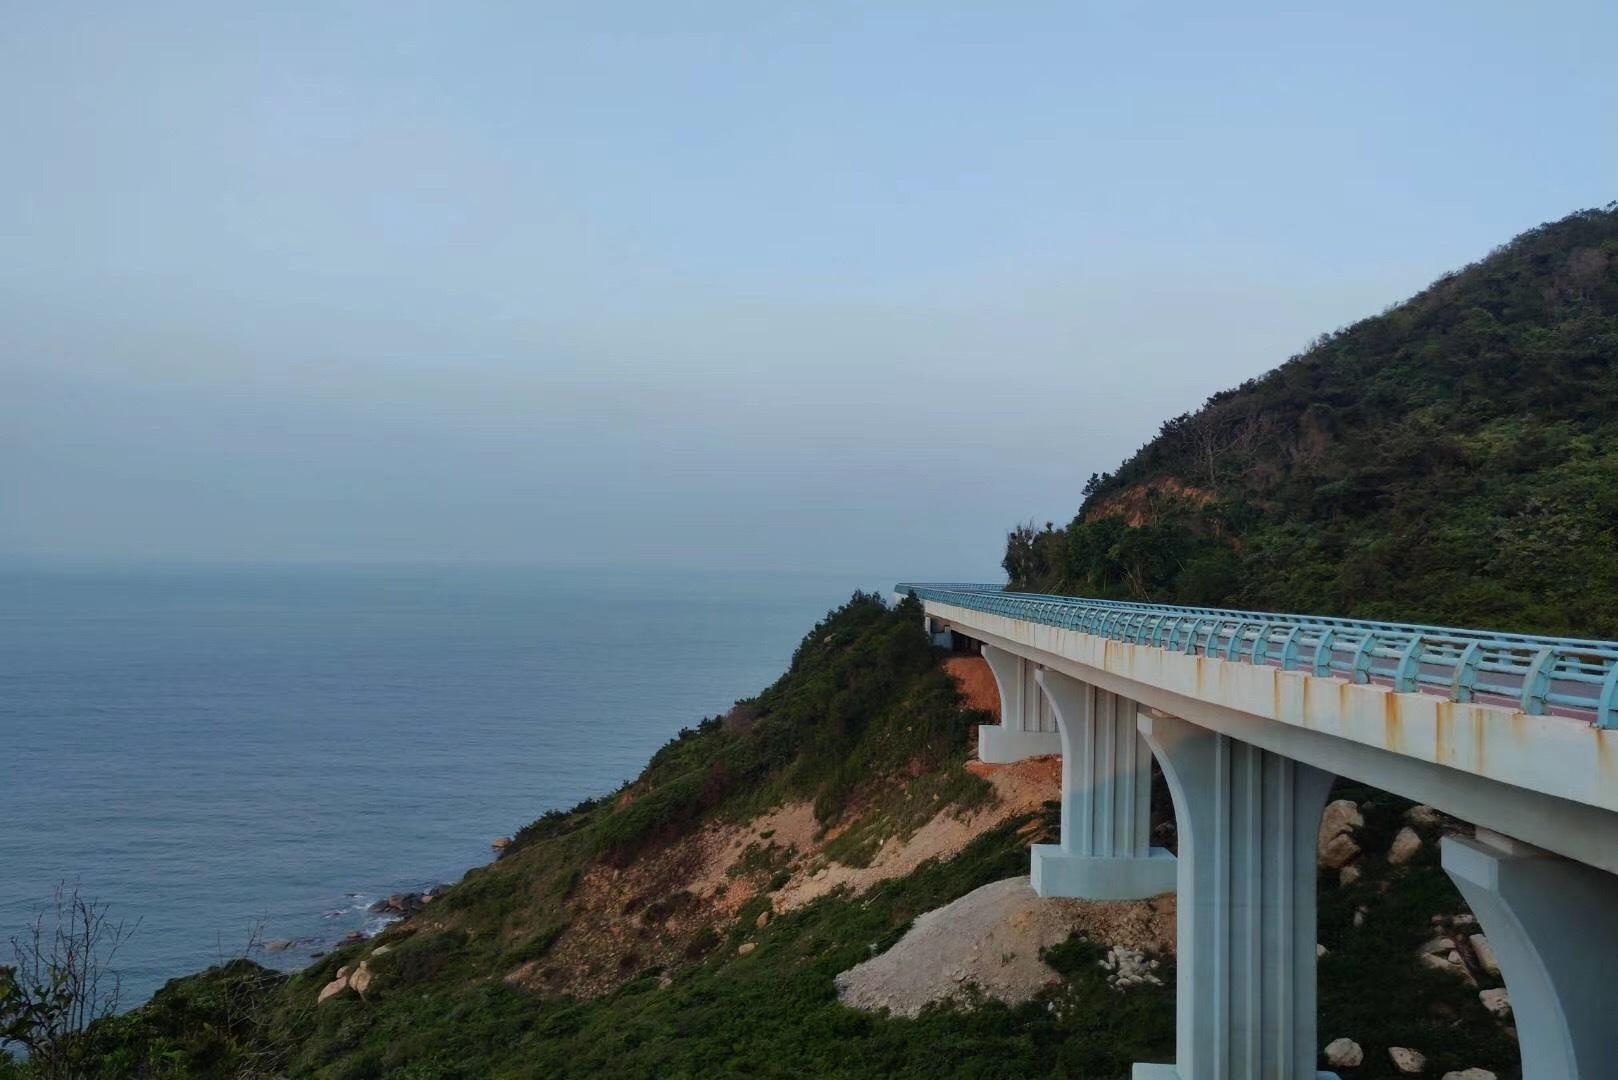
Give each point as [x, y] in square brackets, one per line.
[990, 941]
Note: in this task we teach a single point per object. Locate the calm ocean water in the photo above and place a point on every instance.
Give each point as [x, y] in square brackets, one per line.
[209, 750]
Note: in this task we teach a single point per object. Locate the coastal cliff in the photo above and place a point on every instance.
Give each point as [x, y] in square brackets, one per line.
[823, 881]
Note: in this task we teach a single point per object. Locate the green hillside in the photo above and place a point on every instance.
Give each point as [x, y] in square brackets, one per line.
[1453, 460]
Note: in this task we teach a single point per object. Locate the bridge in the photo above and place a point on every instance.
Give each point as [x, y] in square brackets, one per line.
[1251, 716]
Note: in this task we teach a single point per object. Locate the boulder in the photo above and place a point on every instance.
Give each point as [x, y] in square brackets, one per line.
[382, 950]
[401, 904]
[746, 947]
[1344, 1054]
[1336, 840]
[1485, 954]
[1339, 851]
[1340, 816]
[332, 989]
[1405, 846]
[1425, 817]
[360, 981]
[1497, 1001]
[499, 844]
[763, 920]
[1471, 1074]
[1348, 876]
[1406, 1060]
[278, 945]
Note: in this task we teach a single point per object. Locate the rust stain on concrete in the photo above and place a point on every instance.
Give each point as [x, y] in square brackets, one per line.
[1393, 722]
[1444, 736]
[1606, 756]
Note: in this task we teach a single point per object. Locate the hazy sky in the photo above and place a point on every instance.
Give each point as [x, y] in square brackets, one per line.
[834, 285]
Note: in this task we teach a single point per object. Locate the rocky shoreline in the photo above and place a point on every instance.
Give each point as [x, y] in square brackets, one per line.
[390, 908]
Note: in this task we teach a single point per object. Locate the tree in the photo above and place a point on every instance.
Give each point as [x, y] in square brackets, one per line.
[60, 982]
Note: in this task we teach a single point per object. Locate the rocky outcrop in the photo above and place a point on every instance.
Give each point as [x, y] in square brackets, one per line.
[404, 905]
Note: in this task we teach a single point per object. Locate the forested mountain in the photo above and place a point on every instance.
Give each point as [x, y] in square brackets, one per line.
[1452, 460]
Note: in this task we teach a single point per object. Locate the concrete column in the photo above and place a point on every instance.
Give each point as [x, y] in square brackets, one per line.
[1553, 926]
[1106, 851]
[1247, 821]
[1027, 728]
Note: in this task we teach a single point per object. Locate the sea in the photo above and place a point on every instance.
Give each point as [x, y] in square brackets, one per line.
[230, 755]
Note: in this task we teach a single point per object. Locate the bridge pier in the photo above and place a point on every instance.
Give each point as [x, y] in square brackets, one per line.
[1027, 728]
[1248, 821]
[1105, 852]
[1553, 926]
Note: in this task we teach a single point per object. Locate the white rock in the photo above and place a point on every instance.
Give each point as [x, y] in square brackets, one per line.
[1348, 875]
[1320, 950]
[332, 989]
[1359, 916]
[361, 979]
[382, 950]
[1344, 1054]
[1497, 1001]
[1407, 1060]
[1438, 963]
[1405, 846]
[1132, 966]
[746, 947]
[1471, 1074]
[1485, 951]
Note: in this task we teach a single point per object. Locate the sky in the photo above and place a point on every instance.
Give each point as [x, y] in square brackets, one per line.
[829, 286]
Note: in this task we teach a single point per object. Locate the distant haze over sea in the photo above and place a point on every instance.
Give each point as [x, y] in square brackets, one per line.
[209, 749]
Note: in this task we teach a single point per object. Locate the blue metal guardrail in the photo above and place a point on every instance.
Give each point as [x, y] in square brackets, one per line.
[1538, 675]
